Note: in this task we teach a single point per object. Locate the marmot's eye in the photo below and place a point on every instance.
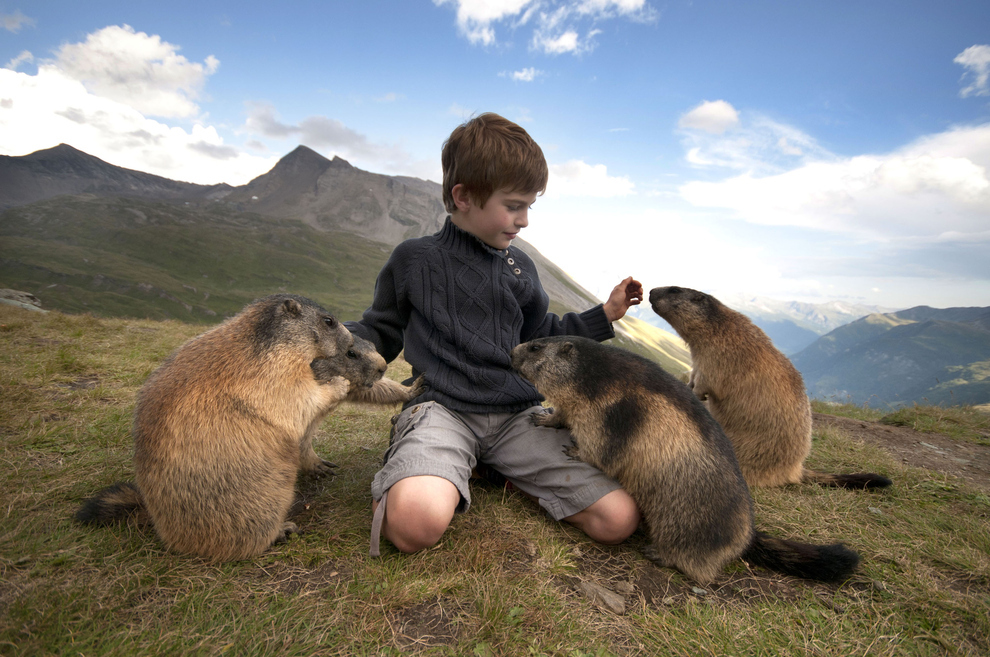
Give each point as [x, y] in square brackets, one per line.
[535, 347]
[330, 321]
[351, 353]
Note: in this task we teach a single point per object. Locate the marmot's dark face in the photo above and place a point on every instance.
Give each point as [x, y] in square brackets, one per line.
[683, 307]
[292, 319]
[544, 359]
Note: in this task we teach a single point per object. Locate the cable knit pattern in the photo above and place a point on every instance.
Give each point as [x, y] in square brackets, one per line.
[458, 307]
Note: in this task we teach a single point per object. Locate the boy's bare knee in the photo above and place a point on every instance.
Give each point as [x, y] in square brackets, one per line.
[610, 520]
[414, 536]
[419, 511]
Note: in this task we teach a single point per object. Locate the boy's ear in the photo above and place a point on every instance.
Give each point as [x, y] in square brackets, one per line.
[462, 199]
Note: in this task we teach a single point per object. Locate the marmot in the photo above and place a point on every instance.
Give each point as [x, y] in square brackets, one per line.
[640, 425]
[364, 368]
[224, 425]
[751, 389]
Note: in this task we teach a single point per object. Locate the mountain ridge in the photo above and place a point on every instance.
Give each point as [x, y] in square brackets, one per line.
[310, 225]
[917, 355]
[64, 169]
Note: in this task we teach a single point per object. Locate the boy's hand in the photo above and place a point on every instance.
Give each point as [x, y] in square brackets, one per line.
[627, 293]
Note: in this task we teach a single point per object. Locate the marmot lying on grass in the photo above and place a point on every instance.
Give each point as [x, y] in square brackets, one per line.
[224, 425]
[640, 425]
[751, 389]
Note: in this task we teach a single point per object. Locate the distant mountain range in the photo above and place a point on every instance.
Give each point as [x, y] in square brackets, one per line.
[85, 235]
[791, 325]
[922, 355]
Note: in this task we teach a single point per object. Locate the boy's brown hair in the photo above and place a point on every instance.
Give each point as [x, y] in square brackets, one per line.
[489, 153]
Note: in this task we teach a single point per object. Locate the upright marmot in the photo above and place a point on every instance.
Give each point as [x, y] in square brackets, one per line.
[752, 389]
[640, 425]
[224, 425]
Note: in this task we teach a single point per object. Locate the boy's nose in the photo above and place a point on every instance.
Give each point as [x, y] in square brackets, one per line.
[523, 220]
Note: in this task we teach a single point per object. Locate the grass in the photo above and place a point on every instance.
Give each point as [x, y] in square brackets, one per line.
[960, 422]
[502, 581]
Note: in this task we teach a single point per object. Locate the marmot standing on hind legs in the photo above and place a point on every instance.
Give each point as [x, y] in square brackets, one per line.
[751, 389]
[224, 425]
[640, 425]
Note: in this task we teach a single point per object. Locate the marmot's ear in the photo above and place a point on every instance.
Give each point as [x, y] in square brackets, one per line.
[566, 348]
[292, 307]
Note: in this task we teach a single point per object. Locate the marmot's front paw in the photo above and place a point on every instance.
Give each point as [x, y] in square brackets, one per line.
[418, 387]
[571, 451]
[548, 418]
[339, 384]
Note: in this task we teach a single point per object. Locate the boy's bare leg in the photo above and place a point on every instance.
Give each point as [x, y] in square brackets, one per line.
[610, 520]
[418, 511]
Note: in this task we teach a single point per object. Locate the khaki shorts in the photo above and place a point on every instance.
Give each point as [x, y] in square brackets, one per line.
[433, 440]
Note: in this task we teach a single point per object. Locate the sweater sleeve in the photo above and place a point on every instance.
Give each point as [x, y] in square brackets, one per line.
[538, 323]
[385, 321]
[592, 323]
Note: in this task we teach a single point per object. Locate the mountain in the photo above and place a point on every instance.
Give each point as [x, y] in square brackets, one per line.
[921, 355]
[791, 325]
[66, 170]
[101, 239]
[332, 194]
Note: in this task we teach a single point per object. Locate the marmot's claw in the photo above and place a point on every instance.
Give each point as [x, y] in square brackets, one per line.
[418, 387]
[287, 528]
[325, 468]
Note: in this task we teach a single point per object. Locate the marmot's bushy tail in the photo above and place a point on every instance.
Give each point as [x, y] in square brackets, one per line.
[827, 563]
[857, 480]
[116, 503]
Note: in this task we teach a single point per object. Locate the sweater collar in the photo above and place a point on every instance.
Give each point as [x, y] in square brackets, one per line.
[457, 238]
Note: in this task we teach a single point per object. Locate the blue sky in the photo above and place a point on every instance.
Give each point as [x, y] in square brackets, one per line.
[787, 149]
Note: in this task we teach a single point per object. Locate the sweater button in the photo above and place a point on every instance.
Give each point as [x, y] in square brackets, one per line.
[511, 261]
[517, 271]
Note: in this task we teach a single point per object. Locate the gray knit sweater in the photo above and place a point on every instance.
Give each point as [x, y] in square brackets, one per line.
[458, 307]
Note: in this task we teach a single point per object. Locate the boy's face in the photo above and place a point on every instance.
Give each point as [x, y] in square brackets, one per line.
[496, 224]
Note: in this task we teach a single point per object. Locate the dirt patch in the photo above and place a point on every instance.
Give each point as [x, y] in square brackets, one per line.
[968, 461]
[430, 624]
[291, 580]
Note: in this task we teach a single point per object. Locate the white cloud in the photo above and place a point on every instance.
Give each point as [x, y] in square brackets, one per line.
[15, 63]
[578, 178]
[14, 22]
[937, 185]
[52, 107]
[138, 70]
[976, 59]
[715, 136]
[558, 24]
[475, 17]
[711, 116]
[559, 44]
[523, 75]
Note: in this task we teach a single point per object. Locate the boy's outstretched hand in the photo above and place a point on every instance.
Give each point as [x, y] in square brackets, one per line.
[627, 293]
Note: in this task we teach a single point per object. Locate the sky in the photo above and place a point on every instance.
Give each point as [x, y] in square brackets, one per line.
[787, 149]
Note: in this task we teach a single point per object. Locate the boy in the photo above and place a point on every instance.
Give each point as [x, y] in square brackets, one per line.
[458, 302]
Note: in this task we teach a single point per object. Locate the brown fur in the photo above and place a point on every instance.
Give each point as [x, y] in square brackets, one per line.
[224, 425]
[750, 388]
[640, 425]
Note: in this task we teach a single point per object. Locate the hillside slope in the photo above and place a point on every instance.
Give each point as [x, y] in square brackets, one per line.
[920, 355]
